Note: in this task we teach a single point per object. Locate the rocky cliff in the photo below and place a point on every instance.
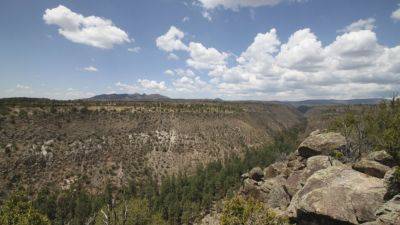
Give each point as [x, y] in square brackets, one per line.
[58, 143]
[317, 186]
[313, 188]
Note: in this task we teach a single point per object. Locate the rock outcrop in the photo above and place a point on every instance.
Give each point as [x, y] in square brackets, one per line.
[313, 188]
[382, 157]
[338, 194]
[371, 168]
[389, 213]
[322, 144]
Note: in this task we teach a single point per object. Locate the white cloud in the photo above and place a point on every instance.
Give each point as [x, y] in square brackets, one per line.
[23, 87]
[185, 19]
[152, 85]
[354, 50]
[302, 52]
[205, 58]
[235, 4]
[185, 73]
[362, 24]
[172, 56]
[92, 30]
[76, 94]
[126, 87]
[169, 72]
[190, 84]
[172, 40]
[207, 15]
[90, 69]
[355, 65]
[134, 49]
[396, 15]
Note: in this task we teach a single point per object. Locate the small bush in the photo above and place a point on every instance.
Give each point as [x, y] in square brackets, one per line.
[239, 211]
[18, 210]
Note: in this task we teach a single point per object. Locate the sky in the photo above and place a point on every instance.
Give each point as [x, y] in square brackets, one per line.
[229, 49]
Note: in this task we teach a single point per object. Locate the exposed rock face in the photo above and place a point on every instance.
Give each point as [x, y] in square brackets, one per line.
[294, 182]
[371, 168]
[389, 213]
[297, 179]
[382, 157]
[392, 184]
[321, 190]
[271, 192]
[275, 169]
[321, 144]
[338, 195]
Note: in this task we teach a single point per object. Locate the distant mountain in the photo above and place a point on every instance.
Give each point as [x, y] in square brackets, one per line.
[366, 101]
[128, 97]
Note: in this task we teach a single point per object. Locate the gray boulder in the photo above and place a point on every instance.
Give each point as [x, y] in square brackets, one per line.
[297, 179]
[389, 213]
[321, 144]
[270, 192]
[338, 195]
[382, 157]
[274, 194]
[392, 184]
[256, 174]
[276, 169]
[371, 168]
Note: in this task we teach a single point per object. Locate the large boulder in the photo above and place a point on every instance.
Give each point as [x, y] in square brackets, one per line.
[382, 157]
[297, 179]
[371, 168]
[322, 144]
[294, 182]
[338, 195]
[389, 213]
[274, 193]
[270, 192]
[276, 169]
[392, 183]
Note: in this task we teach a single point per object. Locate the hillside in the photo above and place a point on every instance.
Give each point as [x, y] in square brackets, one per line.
[59, 143]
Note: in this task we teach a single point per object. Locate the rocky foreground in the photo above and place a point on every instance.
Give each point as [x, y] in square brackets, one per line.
[312, 187]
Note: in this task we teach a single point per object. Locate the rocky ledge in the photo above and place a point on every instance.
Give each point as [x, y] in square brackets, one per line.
[312, 187]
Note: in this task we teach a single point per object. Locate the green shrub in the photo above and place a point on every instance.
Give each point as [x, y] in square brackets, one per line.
[18, 210]
[372, 128]
[136, 211]
[239, 211]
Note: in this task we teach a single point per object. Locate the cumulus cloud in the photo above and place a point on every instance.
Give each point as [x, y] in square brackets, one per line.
[185, 19]
[134, 49]
[190, 84]
[362, 24]
[172, 56]
[172, 40]
[396, 15]
[90, 69]
[205, 58]
[207, 15]
[303, 52]
[152, 85]
[127, 88]
[235, 4]
[169, 72]
[92, 30]
[23, 87]
[354, 65]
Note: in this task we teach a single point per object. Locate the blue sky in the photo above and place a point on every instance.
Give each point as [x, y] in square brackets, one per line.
[232, 49]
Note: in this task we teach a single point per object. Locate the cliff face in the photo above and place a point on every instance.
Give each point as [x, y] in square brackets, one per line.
[312, 187]
[115, 142]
